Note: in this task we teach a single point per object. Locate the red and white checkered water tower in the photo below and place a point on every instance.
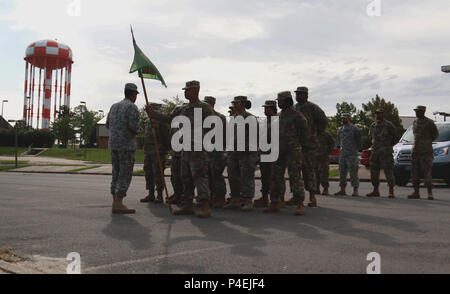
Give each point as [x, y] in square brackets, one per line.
[48, 56]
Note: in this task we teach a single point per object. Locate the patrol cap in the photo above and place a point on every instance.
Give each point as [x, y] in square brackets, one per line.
[131, 87]
[270, 103]
[209, 99]
[243, 99]
[302, 89]
[284, 95]
[192, 84]
[346, 115]
[420, 108]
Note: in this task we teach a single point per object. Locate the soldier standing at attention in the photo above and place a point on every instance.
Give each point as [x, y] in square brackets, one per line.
[349, 138]
[326, 146]
[194, 164]
[122, 122]
[294, 133]
[317, 122]
[242, 164]
[425, 132]
[151, 166]
[217, 163]
[384, 137]
[270, 109]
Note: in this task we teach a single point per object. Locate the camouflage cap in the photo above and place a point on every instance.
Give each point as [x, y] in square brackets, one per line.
[346, 115]
[209, 99]
[239, 99]
[192, 84]
[284, 95]
[302, 89]
[420, 108]
[131, 87]
[270, 103]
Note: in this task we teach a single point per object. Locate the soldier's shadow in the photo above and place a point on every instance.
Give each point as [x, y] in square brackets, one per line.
[125, 228]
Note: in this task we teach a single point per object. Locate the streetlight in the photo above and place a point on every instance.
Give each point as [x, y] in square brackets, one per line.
[15, 135]
[83, 128]
[102, 112]
[3, 101]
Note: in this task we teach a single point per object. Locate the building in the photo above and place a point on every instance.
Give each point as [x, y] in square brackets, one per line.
[407, 121]
[103, 136]
[4, 124]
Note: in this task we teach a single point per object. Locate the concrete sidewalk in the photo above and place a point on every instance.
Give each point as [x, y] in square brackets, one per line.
[44, 165]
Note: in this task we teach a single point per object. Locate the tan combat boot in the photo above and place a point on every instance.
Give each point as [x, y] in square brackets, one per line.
[188, 208]
[262, 202]
[430, 193]
[205, 210]
[219, 202]
[355, 192]
[374, 193]
[174, 199]
[312, 200]
[300, 209]
[391, 192]
[272, 208]
[325, 192]
[247, 204]
[341, 192]
[119, 208]
[159, 199]
[415, 194]
[235, 203]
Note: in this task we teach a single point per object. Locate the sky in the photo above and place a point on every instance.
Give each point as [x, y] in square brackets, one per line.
[338, 49]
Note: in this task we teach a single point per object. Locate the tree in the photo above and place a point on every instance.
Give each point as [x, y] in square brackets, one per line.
[86, 121]
[335, 122]
[64, 126]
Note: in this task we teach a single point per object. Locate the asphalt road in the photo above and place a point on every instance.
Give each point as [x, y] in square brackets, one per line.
[54, 214]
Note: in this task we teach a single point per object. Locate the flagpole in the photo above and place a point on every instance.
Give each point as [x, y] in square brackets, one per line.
[155, 140]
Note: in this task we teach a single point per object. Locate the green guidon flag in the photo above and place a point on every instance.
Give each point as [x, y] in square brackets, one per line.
[143, 65]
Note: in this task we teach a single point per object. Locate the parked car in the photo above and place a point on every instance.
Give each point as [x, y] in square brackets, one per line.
[334, 155]
[441, 163]
[365, 157]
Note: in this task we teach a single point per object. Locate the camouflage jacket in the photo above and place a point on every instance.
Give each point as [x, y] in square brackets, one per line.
[326, 144]
[269, 131]
[247, 140]
[294, 130]
[188, 111]
[349, 138]
[122, 122]
[425, 132]
[219, 154]
[162, 133]
[317, 120]
[384, 136]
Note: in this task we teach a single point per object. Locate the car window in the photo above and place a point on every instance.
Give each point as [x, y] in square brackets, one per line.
[408, 137]
[444, 133]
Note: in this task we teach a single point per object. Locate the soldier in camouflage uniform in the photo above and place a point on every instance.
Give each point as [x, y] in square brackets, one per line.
[151, 165]
[217, 163]
[122, 122]
[242, 164]
[294, 133]
[384, 137]
[326, 146]
[194, 164]
[317, 122]
[349, 138]
[425, 132]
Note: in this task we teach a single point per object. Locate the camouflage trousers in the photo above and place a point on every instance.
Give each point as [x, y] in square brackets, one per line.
[175, 173]
[122, 171]
[292, 160]
[348, 164]
[194, 172]
[422, 166]
[241, 173]
[266, 178]
[309, 169]
[323, 172]
[216, 179]
[385, 161]
[152, 173]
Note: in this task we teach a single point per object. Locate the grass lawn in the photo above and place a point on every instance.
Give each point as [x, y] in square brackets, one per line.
[83, 168]
[10, 151]
[334, 173]
[92, 154]
[8, 167]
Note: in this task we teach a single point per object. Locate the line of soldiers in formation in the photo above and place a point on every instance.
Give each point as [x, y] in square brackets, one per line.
[304, 148]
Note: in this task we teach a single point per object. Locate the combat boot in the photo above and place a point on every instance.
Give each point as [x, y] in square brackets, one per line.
[159, 199]
[235, 203]
[341, 192]
[325, 192]
[119, 208]
[188, 208]
[247, 204]
[148, 198]
[174, 199]
[312, 200]
[430, 193]
[219, 202]
[292, 202]
[300, 209]
[205, 210]
[374, 193]
[272, 208]
[415, 194]
[391, 192]
[262, 202]
[355, 192]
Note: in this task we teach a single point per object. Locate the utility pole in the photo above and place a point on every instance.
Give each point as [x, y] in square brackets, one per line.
[84, 127]
[16, 141]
